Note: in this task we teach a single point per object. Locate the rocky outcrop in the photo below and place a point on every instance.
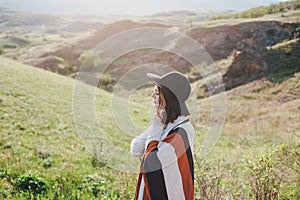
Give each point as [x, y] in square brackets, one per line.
[221, 41]
[51, 63]
[248, 43]
[249, 63]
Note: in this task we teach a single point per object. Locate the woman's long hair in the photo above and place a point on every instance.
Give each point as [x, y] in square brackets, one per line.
[169, 108]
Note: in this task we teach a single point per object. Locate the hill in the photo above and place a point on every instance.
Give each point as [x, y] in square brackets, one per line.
[12, 19]
[66, 58]
[242, 46]
[181, 17]
[40, 148]
[281, 7]
[222, 42]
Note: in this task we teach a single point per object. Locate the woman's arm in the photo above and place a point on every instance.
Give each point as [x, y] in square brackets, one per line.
[153, 132]
[137, 146]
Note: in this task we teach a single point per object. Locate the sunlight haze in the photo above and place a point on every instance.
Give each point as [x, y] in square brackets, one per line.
[129, 7]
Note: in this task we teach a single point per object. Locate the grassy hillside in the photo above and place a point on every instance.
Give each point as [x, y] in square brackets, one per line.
[42, 156]
[182, 17]
[287, 17]
[39, 142]
[281, 7]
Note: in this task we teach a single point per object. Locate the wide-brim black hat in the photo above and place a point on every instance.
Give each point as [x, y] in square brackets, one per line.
[177, 83]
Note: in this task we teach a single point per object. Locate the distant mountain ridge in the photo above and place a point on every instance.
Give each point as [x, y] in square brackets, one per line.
[11, 17]
[183, 16]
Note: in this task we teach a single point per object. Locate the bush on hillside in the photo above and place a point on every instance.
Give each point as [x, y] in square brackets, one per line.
[263, 10]
[32, 184]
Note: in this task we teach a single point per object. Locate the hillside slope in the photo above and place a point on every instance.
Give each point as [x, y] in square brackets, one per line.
[36, 115]
[38, 138]
[246, 42]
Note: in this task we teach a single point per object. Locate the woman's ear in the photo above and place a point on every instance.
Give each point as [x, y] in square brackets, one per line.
[161, 113]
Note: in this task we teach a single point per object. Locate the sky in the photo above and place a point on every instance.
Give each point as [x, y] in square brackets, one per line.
[129, 7]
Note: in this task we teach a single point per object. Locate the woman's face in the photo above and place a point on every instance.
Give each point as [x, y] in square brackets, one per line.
[159, 101]
[155, 96]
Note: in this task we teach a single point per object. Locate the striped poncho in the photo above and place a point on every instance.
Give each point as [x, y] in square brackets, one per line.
[167, 167]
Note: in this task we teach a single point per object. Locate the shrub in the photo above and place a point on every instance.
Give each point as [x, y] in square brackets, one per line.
[209, 181]
[99, 187]
[31, 183]
[106, 79]
[264, 181]
[90, 59]
[10, 46]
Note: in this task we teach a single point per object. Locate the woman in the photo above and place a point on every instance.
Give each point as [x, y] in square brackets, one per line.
[166, 147]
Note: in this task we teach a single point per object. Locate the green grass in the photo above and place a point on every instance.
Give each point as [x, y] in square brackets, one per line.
[261, 117]
[284, 59]
[36, 116]
[261, 11]
[39, 141]
[289, 16]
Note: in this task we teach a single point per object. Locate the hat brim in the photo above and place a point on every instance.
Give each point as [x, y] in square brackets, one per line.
[154, 78]
[184, 109]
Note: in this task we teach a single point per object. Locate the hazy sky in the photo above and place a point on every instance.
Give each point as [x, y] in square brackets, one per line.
[132, 7]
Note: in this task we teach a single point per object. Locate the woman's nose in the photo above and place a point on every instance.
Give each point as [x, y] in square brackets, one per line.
[153, 95]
